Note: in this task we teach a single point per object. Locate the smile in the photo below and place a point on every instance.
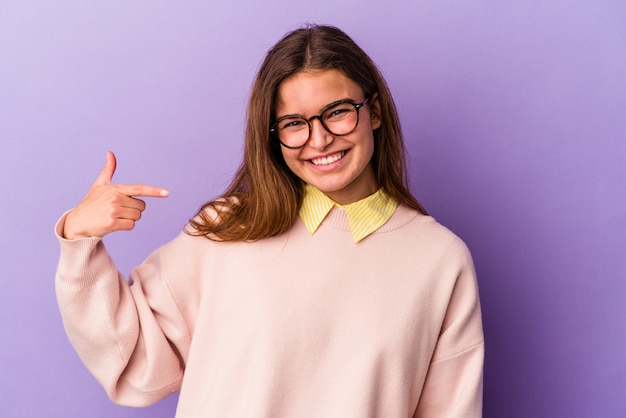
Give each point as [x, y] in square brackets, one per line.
[329, 159]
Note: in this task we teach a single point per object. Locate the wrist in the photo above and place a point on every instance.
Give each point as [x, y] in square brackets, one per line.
[68, 231]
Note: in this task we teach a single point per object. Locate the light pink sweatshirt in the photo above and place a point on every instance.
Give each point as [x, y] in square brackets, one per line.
[297, 325]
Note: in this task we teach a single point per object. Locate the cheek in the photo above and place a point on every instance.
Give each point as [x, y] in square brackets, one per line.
[368, 139]
[291, 159]
[369, 146]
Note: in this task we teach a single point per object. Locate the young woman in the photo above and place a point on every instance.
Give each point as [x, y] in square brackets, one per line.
[315, 286]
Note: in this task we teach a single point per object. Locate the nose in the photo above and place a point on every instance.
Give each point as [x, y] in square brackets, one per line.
[319, 137]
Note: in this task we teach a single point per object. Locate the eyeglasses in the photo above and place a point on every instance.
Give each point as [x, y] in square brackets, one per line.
[338, 118]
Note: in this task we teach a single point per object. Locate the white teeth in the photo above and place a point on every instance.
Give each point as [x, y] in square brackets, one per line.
[328, 160]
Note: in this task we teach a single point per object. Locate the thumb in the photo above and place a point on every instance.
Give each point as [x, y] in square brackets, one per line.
[106, 175]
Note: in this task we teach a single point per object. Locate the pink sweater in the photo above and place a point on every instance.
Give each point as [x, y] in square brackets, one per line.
[291, 326]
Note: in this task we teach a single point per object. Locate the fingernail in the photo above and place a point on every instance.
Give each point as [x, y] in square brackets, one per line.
[165, 193]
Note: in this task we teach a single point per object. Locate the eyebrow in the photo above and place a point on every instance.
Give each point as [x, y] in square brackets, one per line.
[331, 104]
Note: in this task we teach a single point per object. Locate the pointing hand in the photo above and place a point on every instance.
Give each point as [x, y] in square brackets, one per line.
[108, 207]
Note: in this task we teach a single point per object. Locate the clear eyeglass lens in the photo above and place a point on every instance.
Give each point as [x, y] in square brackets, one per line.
[338, 120]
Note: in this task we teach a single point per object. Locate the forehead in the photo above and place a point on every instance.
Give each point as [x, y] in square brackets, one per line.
[307, 92]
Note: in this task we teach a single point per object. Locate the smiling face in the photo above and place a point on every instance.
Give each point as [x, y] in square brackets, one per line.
[340, 166]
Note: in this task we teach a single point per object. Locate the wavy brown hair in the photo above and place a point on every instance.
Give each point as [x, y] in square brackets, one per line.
[264, 196]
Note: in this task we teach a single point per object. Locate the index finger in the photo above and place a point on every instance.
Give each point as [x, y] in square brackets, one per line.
[141, 190]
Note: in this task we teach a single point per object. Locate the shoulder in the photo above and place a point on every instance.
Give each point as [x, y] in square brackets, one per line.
[413, 229]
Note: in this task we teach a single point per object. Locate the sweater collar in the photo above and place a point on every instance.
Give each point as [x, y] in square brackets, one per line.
[364, 216]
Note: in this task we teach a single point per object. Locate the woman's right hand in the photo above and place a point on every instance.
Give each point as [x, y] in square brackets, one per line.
[108, 207]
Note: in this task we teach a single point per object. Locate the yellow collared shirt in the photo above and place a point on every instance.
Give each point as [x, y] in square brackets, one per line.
[364, 216]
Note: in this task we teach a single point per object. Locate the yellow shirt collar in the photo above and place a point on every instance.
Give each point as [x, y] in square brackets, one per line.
[364, 216]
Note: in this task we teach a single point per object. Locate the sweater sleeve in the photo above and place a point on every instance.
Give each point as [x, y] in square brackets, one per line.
[132, 338]
[454, 382]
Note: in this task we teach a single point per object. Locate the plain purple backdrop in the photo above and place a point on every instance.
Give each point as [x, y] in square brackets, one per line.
[515, 118]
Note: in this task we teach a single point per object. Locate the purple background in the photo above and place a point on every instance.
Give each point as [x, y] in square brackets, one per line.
[515, 118]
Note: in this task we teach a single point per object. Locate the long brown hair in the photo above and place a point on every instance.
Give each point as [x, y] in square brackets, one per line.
[264, 196]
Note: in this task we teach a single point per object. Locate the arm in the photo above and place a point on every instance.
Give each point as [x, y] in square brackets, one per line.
[117, 329]
[453, 386]
[120, 332]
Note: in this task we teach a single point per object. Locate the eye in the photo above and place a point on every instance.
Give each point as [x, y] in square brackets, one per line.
[338, 112]
[291, 124]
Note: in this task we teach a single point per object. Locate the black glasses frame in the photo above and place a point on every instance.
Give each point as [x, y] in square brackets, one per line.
[357, 106]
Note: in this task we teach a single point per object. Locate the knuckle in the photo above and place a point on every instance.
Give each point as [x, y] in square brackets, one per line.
[113, 198]
[109, 223]
[111, 212]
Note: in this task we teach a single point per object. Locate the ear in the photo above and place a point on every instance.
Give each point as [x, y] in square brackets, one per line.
[375, 115]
